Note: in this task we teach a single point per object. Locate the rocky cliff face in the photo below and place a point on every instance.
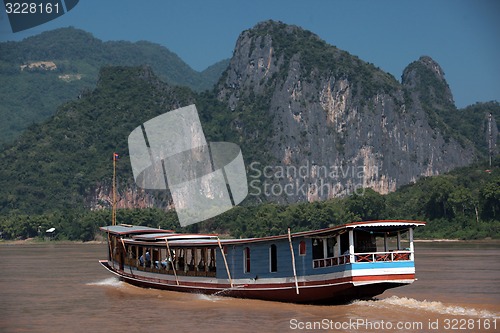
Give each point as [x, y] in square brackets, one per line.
[338, 124]
[126, 197]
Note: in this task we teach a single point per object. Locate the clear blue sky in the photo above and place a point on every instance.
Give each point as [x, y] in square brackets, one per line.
[462, 36]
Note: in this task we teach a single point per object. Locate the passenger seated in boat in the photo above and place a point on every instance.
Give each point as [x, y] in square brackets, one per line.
[141, 260]
[148, 259]
[165, 263]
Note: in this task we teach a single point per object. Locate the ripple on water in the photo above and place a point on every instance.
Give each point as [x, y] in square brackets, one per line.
[430, 306]
[111, 281]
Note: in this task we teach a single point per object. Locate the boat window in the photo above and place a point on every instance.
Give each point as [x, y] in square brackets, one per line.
[404, 241]
[181, 260]
[246, 260]
[132, 252]
[344, 243]
[330, 246]
[318, 248]
[155, 255]
[190, 260]
[201, 255]
[273, 258]
[302, 248]
[364, 242]
[211, 265]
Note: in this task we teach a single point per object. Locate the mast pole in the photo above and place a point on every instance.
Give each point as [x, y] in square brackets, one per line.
[113, 214]
[490, 138]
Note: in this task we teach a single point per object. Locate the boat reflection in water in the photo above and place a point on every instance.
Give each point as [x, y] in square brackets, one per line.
[334, 265]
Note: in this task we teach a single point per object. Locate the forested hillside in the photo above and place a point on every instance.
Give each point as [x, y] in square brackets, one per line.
[61, 163]
[42, 72]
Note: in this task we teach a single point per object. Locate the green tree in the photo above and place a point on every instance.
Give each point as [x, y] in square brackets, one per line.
[368, 206]
[438, 204]
[461, 201]
[490, 198]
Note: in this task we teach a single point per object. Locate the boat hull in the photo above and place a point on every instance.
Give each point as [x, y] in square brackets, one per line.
[328, 291]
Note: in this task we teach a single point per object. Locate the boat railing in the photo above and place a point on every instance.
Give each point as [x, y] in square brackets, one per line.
[383, 256]
[332, 261]
[363, 257]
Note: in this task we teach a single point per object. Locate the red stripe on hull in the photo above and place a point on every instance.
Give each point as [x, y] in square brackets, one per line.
[387, 277]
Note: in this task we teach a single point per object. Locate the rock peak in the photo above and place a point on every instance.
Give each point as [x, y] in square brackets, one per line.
[426, 75]
[420, 66]
[277, 29]
[431, 64]
[272, 25]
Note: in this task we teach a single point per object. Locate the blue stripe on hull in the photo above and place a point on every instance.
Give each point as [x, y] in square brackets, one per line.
[381, 264]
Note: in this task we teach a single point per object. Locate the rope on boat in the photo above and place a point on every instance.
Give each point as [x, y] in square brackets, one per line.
[293, 262]
[225, 262]
[173, 264]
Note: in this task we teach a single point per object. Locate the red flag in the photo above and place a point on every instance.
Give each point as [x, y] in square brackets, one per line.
[115, 156]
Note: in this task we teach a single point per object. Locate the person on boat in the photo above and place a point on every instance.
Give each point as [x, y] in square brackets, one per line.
[146, 259]
[165, 263]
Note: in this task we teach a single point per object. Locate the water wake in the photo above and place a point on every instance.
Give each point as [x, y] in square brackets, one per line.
[432, 306]
[211, 298]
[111, 281]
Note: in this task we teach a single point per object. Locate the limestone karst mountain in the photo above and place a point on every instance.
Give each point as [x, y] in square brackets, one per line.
[313, 122]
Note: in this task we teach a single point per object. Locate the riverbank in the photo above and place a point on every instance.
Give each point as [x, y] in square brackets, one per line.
[30, 241]
[444, 240]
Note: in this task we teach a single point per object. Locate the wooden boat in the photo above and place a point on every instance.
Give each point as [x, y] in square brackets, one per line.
[353, 261]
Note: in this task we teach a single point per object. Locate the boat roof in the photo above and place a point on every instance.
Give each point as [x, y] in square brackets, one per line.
[146, 235]
[127, 229]
[173, 236]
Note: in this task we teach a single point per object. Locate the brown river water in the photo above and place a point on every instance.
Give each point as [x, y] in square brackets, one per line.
[55, 287]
